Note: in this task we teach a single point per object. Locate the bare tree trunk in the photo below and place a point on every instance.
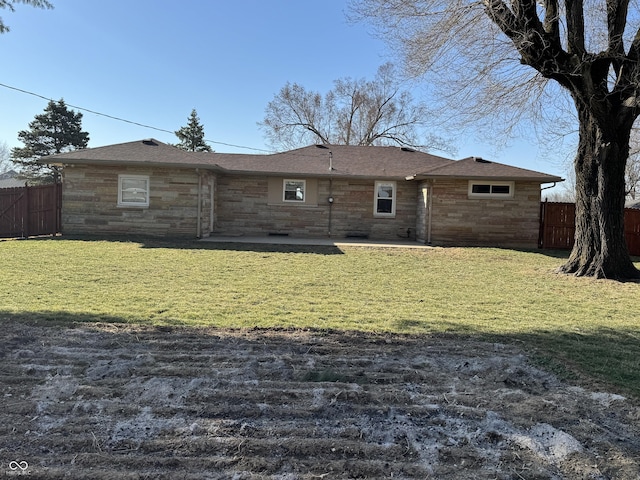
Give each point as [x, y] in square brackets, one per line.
[600, 248]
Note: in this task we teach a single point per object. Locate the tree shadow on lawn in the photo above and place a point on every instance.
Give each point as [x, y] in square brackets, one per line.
[181, 243]
[606, 357]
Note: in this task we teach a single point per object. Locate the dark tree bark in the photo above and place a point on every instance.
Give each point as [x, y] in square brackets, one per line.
[591, 48]
[606, 113]
[600, 249]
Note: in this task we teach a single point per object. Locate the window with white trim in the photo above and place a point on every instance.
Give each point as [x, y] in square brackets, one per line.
[384, 202]
[294, 190]
[133, 191]
[483, 189]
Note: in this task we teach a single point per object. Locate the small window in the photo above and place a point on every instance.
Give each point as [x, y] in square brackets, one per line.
[491, 189]
[133, 190]
[385, 199]
[481, 188]
[501, 189]
[294, 190]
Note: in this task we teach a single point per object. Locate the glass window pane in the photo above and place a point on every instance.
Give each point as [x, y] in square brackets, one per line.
[134, 190]
[501, 189]
[476, 188]
[385, 191]
[294, 190]
[385, 205]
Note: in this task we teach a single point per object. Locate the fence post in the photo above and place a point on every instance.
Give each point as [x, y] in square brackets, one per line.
[541, 229]
[26, 214]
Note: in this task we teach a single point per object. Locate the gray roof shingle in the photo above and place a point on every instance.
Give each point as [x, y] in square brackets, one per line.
[11, 179]
[334, 160]
[145, 152]
[479, 168]
[314, 160]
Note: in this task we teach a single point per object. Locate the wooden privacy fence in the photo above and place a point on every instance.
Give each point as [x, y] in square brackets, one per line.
[30, 211]
[557, 226]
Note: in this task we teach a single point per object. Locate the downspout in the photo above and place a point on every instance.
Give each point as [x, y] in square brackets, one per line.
[330, 199]
[199, 212]
[212, 185]
[330, 203]
[429, 210]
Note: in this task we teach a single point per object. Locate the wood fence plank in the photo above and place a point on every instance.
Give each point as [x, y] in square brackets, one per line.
[558, 227]
[30, 211]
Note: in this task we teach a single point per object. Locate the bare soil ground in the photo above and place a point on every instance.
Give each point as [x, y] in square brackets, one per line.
[106, 401]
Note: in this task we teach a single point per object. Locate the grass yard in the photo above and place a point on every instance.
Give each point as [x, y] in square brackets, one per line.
[573, 326]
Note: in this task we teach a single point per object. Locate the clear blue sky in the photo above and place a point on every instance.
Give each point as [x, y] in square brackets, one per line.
[152, 61]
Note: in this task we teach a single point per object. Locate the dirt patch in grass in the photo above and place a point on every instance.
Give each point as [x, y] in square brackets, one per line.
[107, 401]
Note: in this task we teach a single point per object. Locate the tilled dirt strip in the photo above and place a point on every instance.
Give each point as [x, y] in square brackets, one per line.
[111, 401]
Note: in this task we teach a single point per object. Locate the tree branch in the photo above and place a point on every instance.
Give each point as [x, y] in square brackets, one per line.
[551, 23]
[575, 27]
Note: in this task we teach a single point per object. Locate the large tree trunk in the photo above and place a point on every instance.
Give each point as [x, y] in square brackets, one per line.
[600, 249]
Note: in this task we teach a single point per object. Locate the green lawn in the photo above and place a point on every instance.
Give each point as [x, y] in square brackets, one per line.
[572, 325]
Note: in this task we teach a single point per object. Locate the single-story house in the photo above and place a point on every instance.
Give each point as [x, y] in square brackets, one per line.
[148, 187]
[11, 179]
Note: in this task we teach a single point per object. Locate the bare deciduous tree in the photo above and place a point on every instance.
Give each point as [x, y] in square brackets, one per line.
[632, 172]
[512, 60]
[354, 112]
[5, 157]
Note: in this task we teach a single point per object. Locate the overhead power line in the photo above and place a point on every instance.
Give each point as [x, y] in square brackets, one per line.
[119, 119]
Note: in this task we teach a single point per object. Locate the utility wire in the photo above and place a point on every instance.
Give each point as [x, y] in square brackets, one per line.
[128, 121]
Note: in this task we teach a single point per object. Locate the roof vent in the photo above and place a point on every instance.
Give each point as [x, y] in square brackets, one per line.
[150, 141]
[407, 149]
[481, 160]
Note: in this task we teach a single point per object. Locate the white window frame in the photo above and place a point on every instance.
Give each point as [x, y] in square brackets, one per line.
[491, 193]
[284, 190]
[394, 187]
[122, 178]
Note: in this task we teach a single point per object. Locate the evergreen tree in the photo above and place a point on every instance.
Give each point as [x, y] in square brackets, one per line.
[57, 130]
[192, 136]
[10, 5]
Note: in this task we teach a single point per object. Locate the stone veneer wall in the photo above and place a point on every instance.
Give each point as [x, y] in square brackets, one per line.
[458, 220]
[90, 196]
[246, 205]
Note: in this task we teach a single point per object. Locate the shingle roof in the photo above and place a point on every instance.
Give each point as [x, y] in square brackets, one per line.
[334, 160]
[10, 179]
[146, 152]
[314, 160]
[479, 168]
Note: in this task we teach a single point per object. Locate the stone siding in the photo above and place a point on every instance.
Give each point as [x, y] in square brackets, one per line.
[253, 205]
[248, 205]
[458, 220]
[90, 202]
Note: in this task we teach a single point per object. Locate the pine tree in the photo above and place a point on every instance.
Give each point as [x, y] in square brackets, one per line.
[192, 136]
[57, 130]
[10, 4]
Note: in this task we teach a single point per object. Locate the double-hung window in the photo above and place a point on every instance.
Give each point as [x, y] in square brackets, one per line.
[385, 199]
[133, 191]
[294, 190]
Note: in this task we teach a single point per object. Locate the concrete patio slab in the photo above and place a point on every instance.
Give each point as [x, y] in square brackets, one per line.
[336, 242]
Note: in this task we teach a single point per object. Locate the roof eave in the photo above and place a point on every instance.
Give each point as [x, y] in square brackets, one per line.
[281, 173]
[133, 163]
[501, 178]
